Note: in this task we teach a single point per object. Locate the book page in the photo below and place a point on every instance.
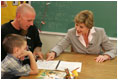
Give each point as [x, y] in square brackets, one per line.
[70, 65]
[49, 65]
[51, 74]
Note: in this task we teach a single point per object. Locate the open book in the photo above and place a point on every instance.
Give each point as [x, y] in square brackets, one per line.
[58, 65]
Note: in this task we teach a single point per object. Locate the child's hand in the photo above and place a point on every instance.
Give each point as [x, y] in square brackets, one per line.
[24, 53]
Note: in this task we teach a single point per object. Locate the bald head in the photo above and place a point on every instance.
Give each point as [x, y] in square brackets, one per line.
[25, 16]
[24, 8]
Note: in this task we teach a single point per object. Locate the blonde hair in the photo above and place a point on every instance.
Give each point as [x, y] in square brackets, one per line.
[85, 17]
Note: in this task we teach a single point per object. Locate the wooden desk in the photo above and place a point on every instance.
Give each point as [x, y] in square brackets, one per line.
[90, 68]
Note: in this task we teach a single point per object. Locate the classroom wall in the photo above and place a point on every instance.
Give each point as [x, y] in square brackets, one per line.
[50, 39]
[58, 16]
[8, 13]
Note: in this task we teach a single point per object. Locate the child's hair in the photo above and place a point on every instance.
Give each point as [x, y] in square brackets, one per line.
[11, 41]
[85, 17]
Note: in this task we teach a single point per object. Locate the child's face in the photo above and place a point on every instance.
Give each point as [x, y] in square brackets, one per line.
[23, 47]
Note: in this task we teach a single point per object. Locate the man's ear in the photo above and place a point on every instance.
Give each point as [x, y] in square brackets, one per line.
[18, 15]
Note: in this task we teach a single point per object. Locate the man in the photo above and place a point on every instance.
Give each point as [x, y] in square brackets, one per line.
[86, 39]
[23, 25]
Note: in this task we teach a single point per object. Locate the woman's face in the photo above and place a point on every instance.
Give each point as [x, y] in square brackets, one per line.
[81, 28]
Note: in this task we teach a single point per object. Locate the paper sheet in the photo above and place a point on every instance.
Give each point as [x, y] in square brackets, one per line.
[70, 65]
[50, 65]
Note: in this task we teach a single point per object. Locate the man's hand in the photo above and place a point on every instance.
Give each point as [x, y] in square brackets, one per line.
[50, 56]
[102, 58]
[37, 52]
[40, 54]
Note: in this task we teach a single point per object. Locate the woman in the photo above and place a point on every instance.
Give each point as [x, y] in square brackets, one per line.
[86, 39]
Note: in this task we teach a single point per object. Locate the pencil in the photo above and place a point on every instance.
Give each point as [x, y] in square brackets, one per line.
[58, 64]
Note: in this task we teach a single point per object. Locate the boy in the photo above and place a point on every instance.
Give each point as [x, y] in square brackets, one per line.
[11, 66]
